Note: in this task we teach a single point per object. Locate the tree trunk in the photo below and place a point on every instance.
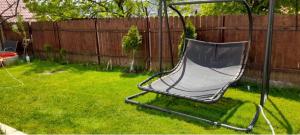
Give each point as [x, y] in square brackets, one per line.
[132, 62]
[2, 38]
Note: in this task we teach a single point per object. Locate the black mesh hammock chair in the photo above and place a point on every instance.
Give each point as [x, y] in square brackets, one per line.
[204, 72]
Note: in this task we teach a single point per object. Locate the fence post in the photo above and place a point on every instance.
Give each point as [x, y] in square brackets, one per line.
[223, 29]
[97, 41]
[297, 9]
[56, 34]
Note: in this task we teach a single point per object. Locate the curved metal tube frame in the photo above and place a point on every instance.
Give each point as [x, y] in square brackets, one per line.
[140, 85]
[250, 34]
[247, 129]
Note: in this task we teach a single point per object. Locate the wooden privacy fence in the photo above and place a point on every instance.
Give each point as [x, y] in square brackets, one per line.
[99, 41]
[95, 41]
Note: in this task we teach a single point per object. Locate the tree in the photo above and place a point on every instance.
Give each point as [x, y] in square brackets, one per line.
[19, 28]
[257, 6]
[14, 6]
[10, 7]
[190, 33]
[69, 9]
[131, 42]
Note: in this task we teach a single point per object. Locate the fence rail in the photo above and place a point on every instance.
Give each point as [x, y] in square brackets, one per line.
[99, 40]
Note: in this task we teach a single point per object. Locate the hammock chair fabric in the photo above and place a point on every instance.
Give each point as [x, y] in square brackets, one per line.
[204, 72]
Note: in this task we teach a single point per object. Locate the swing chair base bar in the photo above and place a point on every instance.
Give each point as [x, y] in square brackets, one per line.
[219, 124]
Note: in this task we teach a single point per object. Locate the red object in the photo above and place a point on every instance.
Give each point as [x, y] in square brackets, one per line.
[7, 54]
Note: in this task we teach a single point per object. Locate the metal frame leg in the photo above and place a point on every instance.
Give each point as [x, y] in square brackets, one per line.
[248, 129]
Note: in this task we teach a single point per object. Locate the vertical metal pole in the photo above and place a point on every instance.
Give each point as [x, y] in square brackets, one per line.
[268, 54]
[148, 39]
[160, 34]
[169, 32]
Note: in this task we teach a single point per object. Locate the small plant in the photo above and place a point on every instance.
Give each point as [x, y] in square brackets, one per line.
[109, 65]
[130, 43]
[48, 50]
[63, 56]
[190, 33]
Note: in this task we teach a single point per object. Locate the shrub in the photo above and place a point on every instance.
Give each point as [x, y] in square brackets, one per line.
[130, 43]
[48, 50]
[62, 56]
[19, 27]
[190, 33]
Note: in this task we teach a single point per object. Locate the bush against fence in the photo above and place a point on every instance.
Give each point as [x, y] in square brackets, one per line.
[99, 40]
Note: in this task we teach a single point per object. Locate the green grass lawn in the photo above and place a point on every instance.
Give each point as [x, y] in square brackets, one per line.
[80, 99]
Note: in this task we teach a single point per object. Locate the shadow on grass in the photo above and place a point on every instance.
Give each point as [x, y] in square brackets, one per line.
[125, 74]
[292, 93]
[282, 119]
[129, 75]
[220, 112]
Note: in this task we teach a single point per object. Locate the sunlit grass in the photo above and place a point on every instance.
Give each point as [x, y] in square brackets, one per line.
[80, 99]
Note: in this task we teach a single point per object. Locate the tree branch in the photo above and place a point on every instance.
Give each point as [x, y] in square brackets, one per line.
[9, 7]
